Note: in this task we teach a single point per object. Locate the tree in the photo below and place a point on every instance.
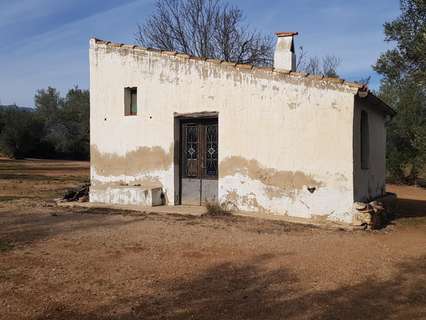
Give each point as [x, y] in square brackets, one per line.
[404, 87]
[327, 66]
[205, 28]
[406, 150]
[330, 64]
[58, 127]
[21, 134]
[69, 132]
[47, 102]
[408, 59]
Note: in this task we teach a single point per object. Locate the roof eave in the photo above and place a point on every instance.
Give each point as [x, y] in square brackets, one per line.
[376, 102]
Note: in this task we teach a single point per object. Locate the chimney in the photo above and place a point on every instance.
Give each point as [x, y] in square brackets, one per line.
[285, 55]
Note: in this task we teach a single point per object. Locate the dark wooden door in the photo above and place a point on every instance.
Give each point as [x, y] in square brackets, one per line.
[199, 165]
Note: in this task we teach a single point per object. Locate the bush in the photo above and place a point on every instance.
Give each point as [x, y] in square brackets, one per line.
[21, 133]
[215, 209]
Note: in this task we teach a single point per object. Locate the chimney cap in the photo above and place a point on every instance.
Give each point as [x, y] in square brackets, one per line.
[286, 34]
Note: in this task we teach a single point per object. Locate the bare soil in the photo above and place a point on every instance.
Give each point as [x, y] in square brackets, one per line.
[62, 263]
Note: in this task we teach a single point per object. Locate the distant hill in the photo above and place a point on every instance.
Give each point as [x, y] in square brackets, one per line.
[14, 106]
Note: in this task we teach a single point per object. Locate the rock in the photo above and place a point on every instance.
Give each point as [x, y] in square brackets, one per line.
[361, 218]
[76, 194]
[360, 206]
[84, 198]
[377, 206]
[69, 194]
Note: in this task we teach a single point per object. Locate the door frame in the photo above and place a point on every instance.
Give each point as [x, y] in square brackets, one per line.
[180, 119]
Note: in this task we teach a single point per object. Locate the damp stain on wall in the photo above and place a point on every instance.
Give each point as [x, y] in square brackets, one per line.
[277, 183]
[143, 159]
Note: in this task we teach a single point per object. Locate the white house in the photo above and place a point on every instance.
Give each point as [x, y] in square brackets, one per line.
[169, 128]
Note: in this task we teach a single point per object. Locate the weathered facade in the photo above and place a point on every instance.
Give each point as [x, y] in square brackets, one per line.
[169, 128]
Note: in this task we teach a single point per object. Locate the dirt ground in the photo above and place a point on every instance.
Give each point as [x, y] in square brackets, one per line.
[61, 263]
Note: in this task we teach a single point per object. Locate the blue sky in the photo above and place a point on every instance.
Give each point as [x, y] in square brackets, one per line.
[45, 42]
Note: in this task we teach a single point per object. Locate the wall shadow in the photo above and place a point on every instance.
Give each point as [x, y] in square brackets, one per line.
[410, 208]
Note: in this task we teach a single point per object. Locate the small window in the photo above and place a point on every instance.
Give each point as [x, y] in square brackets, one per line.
[130, 101]
[365, 141]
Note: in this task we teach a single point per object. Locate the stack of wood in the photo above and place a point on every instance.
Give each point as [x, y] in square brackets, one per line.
[80, 194]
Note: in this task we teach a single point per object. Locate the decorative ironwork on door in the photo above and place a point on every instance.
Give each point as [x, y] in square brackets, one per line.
[211, 151]
[191, 136]
[200, 150]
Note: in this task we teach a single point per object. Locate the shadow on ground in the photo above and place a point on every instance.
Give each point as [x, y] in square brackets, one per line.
[411, 208]
[29, 228]
[248, 290]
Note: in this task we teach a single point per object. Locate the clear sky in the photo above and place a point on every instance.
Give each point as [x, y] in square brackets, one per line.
[45, 42]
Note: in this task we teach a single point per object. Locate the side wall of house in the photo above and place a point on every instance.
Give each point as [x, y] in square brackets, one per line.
[278, 134]
[369, 183]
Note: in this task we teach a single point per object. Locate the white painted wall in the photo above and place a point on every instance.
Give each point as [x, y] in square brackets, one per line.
[284, 122]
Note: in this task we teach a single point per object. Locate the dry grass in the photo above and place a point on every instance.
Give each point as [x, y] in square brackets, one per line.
[215, 209]
[5, 246]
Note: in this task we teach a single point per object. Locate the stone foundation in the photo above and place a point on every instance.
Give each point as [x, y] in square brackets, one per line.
[375, 214]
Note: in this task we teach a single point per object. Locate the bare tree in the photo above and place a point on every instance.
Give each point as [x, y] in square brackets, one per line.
[327, 66]
[301, 59]
[205, 28]
[313, 66]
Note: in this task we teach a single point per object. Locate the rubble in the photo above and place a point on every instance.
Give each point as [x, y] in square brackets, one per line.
[375, 214]
[80, 194]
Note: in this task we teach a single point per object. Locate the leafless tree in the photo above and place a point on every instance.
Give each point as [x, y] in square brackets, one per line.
[301, 59]
[313, 66]
[330, 64]
[205, 28]
[327, 66]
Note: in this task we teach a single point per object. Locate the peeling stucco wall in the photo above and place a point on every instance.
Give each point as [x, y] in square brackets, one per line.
[279, 134]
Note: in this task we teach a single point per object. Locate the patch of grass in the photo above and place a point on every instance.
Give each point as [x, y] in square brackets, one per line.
[215, 209]
[5, 246]
[7, 198]
[417, 221]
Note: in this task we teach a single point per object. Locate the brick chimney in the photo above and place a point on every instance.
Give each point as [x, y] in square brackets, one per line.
[285, 55]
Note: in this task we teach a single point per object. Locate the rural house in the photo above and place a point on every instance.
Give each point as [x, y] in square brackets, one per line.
[172, 129]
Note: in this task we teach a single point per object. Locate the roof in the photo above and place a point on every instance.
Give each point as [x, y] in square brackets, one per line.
[379, 104]
[336, 82]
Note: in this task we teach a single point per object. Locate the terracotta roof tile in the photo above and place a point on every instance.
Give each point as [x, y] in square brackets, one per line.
[183, 55]
[298, 74]
[334, 80]
[315, 77]
[283, 71]
[198, 58]
[228, 63]
[169, 53]
[263, 69]
[244, 66]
